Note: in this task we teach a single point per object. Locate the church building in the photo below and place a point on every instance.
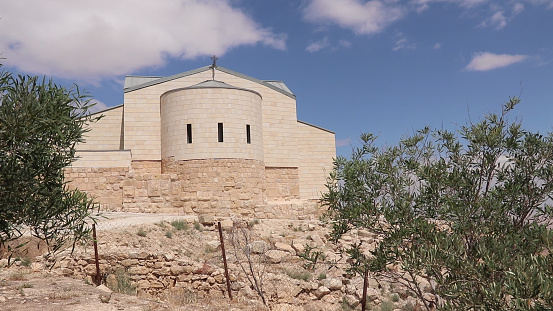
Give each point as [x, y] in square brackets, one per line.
[209, 140]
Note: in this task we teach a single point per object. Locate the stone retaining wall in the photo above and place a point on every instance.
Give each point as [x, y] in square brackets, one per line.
[282, 183]
[222, 187]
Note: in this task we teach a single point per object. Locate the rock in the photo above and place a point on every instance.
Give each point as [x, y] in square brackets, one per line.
[317, 239]
[237, 285]
[104, 293]
[351, 300]
[330, 299]
[298, 245]
[364, 233]
[287, 292]
[276, 256]
[206, 220]
[139, 270]
[176, 270]
[215, 244]
[350, 289]
[226, 224]
[156, 284]
[36, 266]
[322, 291]
[129, 262]
[142, 255]
[333, 283]
[285, 247]
[258, 247]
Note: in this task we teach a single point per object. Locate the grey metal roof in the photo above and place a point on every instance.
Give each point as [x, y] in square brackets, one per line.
[320, 128]
[279, 84]
[209, 84]
[107, 109]
[212, 84]
[156, 80]
[131, 81]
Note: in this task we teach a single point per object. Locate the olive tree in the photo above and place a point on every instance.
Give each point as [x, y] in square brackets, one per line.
[462, 216]
[40, 124]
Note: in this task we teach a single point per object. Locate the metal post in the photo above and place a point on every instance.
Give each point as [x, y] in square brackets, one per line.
[98, 277]
[224, 259]
[365, 284]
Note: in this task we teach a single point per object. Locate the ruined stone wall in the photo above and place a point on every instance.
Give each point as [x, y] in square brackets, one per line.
[219, 186]
[282, 183]
[105, 184]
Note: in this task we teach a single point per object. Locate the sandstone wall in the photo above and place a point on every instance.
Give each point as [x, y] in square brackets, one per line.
[105, 184]
[221, 186]
[143, 118]
[102, 158]
[316, 153]
[107, 133]
[203, 109]
[282, 183]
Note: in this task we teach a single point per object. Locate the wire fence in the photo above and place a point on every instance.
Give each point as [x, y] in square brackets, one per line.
[267, 259]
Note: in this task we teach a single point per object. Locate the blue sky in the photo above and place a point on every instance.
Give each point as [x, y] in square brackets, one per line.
[387, 67]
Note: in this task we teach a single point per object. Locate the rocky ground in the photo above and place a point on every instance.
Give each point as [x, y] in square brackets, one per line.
[168, 262]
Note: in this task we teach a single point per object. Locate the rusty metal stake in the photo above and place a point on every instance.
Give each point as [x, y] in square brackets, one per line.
[98, 277]
[365, 283]
[224, 259]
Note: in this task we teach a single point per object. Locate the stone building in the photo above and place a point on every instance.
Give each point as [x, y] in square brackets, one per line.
[209, 140]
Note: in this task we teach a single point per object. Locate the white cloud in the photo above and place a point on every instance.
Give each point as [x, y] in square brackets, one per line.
[497, 20]
[402, 43]
[422, 5]
[362, 17]
[93, 39]
[344, 43]
[98, 106]
[343, 142]
[437, 46]
[484, 61]
[518, 8]
[317, 46]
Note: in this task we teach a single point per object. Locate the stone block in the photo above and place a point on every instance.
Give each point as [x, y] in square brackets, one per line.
[276, 256]
[154, 188]
[206, 220]
[128, 191]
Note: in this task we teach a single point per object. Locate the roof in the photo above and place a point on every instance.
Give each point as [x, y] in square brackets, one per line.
[133, 83]
[318, 127]
[210, 84]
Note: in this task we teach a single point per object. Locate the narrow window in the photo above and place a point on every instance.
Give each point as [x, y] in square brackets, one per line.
[220, 132]
[189, 133]
[248, 137]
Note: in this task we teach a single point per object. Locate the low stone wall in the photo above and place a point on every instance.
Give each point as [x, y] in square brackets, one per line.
[152, 274]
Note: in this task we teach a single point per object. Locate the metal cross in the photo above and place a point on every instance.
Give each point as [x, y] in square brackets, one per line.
[214, 58]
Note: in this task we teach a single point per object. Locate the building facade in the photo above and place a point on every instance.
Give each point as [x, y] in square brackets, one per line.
[209, 140]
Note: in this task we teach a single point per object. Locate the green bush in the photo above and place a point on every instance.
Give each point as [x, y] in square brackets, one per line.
[40, 124]
[141, 232]
[180, 225]
[298, 274]
[465, 210]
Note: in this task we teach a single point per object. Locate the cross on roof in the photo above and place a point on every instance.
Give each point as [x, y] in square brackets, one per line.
[214, 58]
